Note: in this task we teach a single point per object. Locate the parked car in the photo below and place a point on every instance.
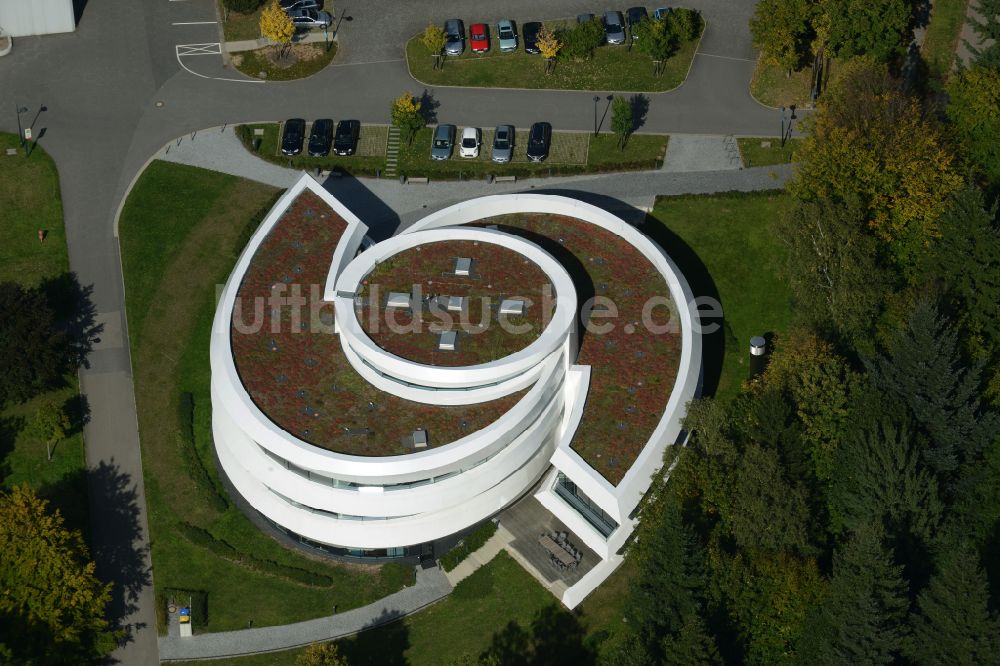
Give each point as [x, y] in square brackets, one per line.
[584, 18]
[507, 35]
[661, 13]
[539, 140]
[472, 139]
[307, 19]
[443, 142]
[614, 28]
[454, 31]
[320, 137]
[503, 144]
[479, 38]
[346, 141]
[634, 16]
[289, 5]
[292, 136]
[530, 33]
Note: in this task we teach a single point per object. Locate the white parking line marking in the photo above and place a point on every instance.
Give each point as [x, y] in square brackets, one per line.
[195, 23]
[215, 48]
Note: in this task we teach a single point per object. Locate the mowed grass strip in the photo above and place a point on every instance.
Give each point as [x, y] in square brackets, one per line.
[199, 221]
[727, 247]
[29, 201]
[305, 60]
[764, 151]
[941, 37]
[237, 26]
[610, 68]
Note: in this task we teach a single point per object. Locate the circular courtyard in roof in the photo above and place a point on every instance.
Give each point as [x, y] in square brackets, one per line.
[455, 303]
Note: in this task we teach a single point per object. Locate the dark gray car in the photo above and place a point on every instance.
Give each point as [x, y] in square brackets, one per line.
[443, 142]
[454, 31]
[503, 144]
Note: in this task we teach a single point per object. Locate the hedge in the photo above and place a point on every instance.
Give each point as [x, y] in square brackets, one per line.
[471, 543]
[201, 537]
[193, 464]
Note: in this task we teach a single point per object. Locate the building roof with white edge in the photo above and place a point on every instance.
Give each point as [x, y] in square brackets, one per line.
[350, 447]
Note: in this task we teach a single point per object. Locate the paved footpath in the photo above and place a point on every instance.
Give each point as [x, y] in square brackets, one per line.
[431, 586]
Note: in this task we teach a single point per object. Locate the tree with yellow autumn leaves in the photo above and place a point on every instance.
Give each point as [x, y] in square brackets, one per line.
[276, 25]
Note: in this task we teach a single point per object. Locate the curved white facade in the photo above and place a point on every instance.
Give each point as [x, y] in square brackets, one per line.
[390, 502]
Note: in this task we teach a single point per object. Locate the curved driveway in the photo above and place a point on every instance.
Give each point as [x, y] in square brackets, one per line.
[101, 86]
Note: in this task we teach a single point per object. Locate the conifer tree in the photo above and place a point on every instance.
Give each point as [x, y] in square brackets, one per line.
[953, 624]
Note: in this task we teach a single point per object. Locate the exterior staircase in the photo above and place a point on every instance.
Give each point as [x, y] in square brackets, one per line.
[392, 152]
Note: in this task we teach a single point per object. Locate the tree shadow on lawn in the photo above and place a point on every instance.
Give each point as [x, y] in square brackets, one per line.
[554, 637]
[382, 642]
[9, 427]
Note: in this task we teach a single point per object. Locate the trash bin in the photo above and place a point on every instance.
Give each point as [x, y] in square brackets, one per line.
[256, 144]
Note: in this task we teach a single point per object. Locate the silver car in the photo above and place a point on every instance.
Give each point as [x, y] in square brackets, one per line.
[614, 28]
[503, 143]
[507, 35]
[454, 31]
[306, 19]
[443, 142]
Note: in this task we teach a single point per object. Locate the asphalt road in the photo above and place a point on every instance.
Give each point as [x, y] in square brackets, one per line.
[115, 92]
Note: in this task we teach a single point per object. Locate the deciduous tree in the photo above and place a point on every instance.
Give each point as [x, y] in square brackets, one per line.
[322, 654]
[622, 119]
[653, 38]
[870, 141]
[974, 110]
[548, 46]
[781, 29]
[33, 353]
[877, 28]
[276, 25]
[406, 115]
[52, 605]
[49, 424]
[434, 39]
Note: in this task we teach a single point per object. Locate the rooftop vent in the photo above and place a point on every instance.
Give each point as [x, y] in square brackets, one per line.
[420, 438]
[447, 341]
[512, 306]
[456, 303]
[398, 299]
[463, 266]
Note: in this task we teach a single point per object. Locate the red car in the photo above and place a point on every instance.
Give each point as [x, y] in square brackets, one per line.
[479, 37]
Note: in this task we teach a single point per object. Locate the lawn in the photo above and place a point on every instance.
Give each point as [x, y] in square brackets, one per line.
[610, 68]
[237, 26]
[180, 232]
[942, 36]
[30, 200]
[755, 153]
[498, 602]
[301, 61]
[726, 246]
[771, 85]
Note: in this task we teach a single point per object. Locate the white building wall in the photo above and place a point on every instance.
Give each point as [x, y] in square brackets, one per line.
[22, 18]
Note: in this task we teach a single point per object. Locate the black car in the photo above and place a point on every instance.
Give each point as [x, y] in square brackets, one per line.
[347, 137]
[539, 140]
[634, 15]
[320, 137]
[292, 136]
[530, 32]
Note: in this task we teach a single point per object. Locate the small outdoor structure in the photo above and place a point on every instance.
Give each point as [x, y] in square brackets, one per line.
[447, 341]
[456, 303]
[463, 266]
[512, 306]
[420, 439]
[398, 299]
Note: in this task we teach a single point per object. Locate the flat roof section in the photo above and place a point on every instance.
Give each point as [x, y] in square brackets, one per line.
[443, 299]
[293, 366]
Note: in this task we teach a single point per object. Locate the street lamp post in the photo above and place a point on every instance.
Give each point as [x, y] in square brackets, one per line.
[596, 100]
[20, 131]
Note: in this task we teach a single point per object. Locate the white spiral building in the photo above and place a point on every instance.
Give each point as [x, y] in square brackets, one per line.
[330, 435]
